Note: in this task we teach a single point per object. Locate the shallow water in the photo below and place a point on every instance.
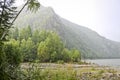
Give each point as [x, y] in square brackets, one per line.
[106, 62]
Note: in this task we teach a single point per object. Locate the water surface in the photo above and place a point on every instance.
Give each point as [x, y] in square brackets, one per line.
[106, 62]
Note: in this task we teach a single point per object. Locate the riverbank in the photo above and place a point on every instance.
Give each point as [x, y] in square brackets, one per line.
[75, 71]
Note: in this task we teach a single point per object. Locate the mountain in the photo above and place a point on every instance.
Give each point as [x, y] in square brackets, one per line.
[90, 43]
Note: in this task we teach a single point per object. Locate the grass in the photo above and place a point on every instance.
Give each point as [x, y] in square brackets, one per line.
[52, 71]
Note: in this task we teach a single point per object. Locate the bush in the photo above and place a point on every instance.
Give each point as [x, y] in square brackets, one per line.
[11, 49]
[60, 62]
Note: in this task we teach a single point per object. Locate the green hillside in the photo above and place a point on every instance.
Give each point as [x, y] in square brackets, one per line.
[91, 44]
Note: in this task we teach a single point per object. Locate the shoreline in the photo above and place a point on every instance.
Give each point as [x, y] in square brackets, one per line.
[81, 72]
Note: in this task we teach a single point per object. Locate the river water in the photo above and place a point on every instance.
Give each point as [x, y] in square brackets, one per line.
[106, 62]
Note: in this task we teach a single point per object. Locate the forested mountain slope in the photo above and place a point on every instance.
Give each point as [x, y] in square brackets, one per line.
[91, 44]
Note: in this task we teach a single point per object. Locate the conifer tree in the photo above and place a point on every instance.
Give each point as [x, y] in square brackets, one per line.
[8, 15]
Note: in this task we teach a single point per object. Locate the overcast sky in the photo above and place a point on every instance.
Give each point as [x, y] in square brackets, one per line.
[102, 16]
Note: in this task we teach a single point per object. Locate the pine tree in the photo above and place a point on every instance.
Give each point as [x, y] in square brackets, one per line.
[8, 15]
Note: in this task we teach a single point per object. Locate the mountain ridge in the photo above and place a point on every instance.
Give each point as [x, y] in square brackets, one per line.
[89, 42]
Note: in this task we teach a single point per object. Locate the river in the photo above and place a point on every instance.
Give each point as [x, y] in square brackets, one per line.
[106, 62]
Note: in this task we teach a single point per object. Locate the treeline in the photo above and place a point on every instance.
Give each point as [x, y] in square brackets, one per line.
[43, 46]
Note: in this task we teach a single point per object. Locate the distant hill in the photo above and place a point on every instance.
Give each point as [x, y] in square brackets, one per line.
[90, 43]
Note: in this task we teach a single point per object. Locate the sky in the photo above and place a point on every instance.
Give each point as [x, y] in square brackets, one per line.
[102, 16]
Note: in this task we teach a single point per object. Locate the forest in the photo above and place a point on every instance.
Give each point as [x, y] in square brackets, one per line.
[33, 54]
[42, 46]
[18, 46]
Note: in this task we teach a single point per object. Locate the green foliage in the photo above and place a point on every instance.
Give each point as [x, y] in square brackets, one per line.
[36, 37]
[35, 73]
[75, 55]
[13, 55]
[2, 54]
[25, 33]
[33, 5]
[7, 13]
[51, 48]
[46, 46]
[14, 33]
[44, 34]
[43, 53]
[89, 43]
[60, 61]
[10, 56]
[66, 55]
[27, 49]
[2, 62]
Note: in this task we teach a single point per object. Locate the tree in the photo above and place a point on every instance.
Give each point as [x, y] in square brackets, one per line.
[14, 34]
[28, 50]
[25, 33]
[51, 48]
[75, 55]
[66, 55]
[29, 31]
[43, 53]
[22, 34]
[36, 37]
[8, 15]
[31, 51]
[12, 51]
[13, 59]
[44, 34]
[2, 62]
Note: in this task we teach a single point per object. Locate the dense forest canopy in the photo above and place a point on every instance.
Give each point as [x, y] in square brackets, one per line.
[44, 46]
